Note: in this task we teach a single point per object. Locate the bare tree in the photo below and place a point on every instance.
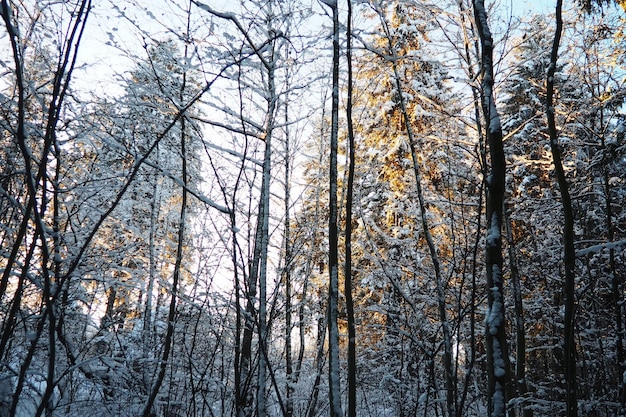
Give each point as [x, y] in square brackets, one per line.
[39, 231]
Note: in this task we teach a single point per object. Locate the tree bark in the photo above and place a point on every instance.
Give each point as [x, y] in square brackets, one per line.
[470, 42]
[495, 335]
[287, 268]
[352, 369]
[333, 235]
[176, 276]
[521, 385]
[569, 254]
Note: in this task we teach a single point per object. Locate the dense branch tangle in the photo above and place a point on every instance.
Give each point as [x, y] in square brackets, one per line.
[123, 212]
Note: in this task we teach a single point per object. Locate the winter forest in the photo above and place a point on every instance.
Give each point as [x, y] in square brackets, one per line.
[264, 208]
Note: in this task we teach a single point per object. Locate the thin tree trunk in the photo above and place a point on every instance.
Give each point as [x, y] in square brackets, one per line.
[333, 236]
[148, 320]
[245, 397]
[262, 235]
[352, 369]
[498, 389]
[287, 271]
[470, 40]
[616, 282]
[319, 365]
[171, 316]
[264, 242]
[618, 301]
[520, 332]
[569, 254]
[319, 362]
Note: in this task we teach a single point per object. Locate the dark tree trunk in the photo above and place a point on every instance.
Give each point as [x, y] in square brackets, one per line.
[569, 254]
[333, 235]
[348, 232]
[498, 388]
[521, 385]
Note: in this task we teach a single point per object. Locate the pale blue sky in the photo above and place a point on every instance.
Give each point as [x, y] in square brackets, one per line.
[526, 7]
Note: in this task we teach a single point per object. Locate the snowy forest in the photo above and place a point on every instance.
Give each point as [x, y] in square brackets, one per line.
[264, 208]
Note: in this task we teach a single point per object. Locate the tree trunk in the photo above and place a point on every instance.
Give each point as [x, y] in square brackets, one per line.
[470, 42]
[176, 276]
[495, 336]
[287, 268]
[521, 385]
[333, 235]
[569, 254]
[348, 239]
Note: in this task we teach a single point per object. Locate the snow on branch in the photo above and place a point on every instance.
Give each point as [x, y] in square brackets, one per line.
[140, 160]
[201, 197]
[258, 50]
[233, 153]
[600, 247]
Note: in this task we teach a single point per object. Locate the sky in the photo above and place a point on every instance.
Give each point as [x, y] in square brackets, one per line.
[110, 38]
[526, 7]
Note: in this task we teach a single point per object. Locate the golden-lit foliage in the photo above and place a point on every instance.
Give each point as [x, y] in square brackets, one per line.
[395, 289]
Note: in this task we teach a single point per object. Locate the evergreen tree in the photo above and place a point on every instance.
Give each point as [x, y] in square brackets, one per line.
[587, 124]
